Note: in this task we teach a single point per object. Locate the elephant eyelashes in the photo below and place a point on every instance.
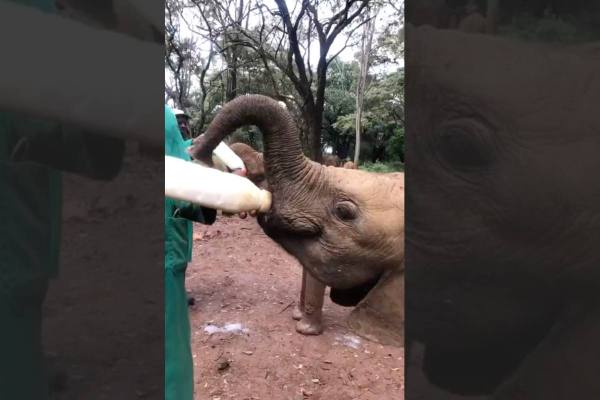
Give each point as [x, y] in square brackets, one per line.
[346, 211]
[465, 143]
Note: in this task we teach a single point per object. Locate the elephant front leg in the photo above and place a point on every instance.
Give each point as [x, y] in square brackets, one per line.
[309, 311]
[299, 308]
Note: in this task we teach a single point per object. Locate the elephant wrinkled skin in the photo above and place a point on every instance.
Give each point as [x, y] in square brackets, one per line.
[503, 221]
[346, 227]
[309, 309]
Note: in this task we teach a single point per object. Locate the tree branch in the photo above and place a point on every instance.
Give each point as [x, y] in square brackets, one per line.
[348, 38]
[346, 20]
[294, 49]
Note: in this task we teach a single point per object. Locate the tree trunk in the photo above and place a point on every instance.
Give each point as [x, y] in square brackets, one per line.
[367, 41]
[314, 130]
[358, 129]
[316, 108]
[492, 16]
[233, 56]
[203, 93]
[231, 79]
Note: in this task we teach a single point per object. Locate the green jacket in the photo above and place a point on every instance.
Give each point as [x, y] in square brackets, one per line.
[179, 215]
[32, 154]
[179, 368]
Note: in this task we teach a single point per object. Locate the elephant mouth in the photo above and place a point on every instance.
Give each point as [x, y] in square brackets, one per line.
[352, 296]
[280, 229]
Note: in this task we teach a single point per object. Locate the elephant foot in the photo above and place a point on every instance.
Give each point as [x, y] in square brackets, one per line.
[309, 325]
[297, 313]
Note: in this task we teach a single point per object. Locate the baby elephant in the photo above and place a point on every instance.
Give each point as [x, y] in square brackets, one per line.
[308, 311]
[350, 165]
[345, 227]
[331, 160]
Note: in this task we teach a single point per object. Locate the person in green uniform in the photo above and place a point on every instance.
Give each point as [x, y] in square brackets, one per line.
[32, 155]
[179, 368]
[33, 152]
[183, 120]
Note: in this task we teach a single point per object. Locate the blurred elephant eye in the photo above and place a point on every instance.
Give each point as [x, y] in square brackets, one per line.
[346, 211]
[465, 143]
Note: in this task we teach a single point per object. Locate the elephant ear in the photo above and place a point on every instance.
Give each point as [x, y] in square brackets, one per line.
[380, 315]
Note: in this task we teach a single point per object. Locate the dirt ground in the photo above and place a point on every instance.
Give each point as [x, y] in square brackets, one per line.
[103, 316]
[103, 322]
[243, 339]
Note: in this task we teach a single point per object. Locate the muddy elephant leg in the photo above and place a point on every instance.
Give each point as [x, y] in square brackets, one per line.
[310, 306]
[299, 308]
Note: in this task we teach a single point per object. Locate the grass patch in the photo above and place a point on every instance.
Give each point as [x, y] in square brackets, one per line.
[380, 167]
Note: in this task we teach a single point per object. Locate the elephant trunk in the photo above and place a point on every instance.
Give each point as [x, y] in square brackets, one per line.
[284, 159]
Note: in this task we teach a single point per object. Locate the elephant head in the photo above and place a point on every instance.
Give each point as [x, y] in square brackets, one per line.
[504, 214]
[346, 227]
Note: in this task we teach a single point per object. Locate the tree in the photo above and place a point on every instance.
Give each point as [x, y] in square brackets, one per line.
[340, 101]
[283, 40]
[243, 46]
[179, 57]
[189, 62]
[382, 120]
[220, 23]
[365, 58]
[222, 40]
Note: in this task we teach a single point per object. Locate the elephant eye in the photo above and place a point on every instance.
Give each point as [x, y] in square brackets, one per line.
[346, 211]
[465, 143]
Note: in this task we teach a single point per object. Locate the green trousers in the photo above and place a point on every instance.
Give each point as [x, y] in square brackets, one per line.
[22, 369]
[179, 367]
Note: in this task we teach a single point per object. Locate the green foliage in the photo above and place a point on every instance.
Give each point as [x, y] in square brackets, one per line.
[389, 48]
[395, 148]
[381, 167]
[342, 76]
[250, 136]
[382, 137]
[347, 123]
[383, 114]
[340, 101]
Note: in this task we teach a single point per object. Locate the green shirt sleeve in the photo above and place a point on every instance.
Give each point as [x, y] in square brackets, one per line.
[175, 146]
[67, 149]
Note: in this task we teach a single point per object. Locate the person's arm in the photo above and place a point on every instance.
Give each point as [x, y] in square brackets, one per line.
[203, 215]
[67, 149]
